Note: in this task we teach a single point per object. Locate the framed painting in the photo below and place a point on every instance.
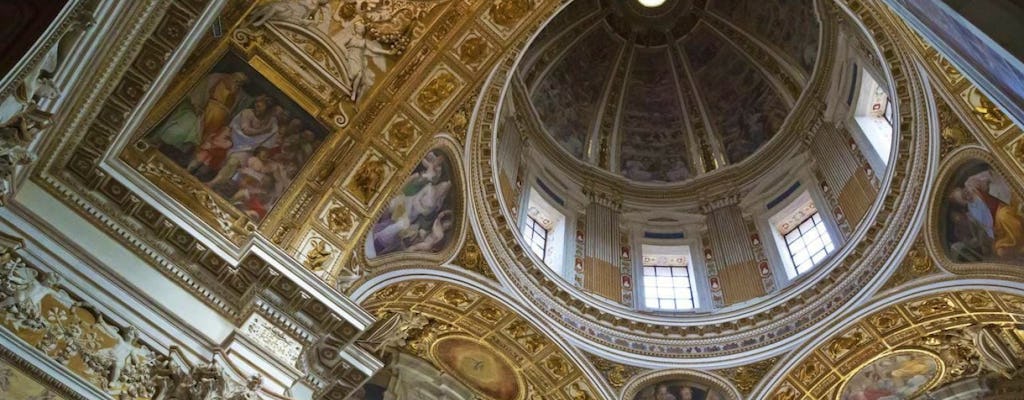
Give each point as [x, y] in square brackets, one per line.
[239, 135]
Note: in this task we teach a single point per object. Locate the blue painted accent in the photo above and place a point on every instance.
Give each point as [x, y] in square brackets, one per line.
[783, 196]
[664, 235]
[993, 69]
[550, 193]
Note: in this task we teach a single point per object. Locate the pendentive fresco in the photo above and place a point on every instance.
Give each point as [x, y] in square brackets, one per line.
[981, 216]
[421, 216]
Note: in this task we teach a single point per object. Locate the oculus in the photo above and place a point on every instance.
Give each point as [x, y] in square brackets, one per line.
[478, 366]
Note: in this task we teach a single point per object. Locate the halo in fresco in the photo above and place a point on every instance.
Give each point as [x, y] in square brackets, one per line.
[678, 390]
[981, 216]
[421, 216]
[239, 135]
[900, 375]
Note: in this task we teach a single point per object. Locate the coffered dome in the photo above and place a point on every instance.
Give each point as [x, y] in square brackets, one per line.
[666, 93]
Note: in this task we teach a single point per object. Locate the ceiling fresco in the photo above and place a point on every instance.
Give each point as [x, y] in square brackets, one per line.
[907, 348]
[567, 98]
[652, 127]
[422, 216]
[648, 128]
[744, 108]
[789, 25]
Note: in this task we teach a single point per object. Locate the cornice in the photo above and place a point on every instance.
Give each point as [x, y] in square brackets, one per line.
[760, 331]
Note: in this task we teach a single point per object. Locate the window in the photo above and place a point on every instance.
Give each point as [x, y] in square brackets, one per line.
[801, 235]
[543, 229]
[873, 114]
[667, 278]
[536, 236]
[668, 288]
[808, 243]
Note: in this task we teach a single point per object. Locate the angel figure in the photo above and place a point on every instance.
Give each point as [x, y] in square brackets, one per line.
[358, 51]
[112, 360]
[287, 11]
[29, 289]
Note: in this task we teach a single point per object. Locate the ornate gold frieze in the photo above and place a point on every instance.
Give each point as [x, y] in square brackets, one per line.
[746, 377]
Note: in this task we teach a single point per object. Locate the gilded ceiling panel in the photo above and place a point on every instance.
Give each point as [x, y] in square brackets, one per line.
[913, 346]
[473, 337]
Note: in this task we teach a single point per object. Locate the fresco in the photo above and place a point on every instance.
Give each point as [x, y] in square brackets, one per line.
[790, 25]
[16, 385]
[239, 135]
[743, 107]
[900, 375]
[568, 95]
[421, 216]
[573, 12]
[677, 390]
[981, 217]
[478, 366]
[653, 143]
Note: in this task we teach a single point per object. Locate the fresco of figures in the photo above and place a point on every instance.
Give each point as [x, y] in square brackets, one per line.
[566, 101]
[897, 376]
[421, 216]
[653, 143]
[790, 25]
[981, 216]
[677, 390]
[239, 135]
[743, 106]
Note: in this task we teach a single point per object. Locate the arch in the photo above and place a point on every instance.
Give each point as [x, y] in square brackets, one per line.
[471, 307]
[895, 322]
[712, 385]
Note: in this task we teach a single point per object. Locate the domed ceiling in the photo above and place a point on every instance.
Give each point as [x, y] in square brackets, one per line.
[667, 93]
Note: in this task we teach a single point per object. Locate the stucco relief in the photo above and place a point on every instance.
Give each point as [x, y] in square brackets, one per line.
[360, 39]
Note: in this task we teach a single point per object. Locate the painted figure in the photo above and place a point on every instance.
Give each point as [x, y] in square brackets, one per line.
[239, 135]
[983, 217]
[420, 217]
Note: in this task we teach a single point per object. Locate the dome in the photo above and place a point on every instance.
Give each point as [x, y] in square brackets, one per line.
[665, 94]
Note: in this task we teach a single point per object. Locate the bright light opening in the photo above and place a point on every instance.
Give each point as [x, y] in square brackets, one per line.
[651, 3]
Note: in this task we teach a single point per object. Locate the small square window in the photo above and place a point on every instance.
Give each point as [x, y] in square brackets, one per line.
[537, 237]
[667, 288]
[809, 244]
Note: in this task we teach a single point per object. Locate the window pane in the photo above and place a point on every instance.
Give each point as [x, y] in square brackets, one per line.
[809, 244]
[667, 288]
